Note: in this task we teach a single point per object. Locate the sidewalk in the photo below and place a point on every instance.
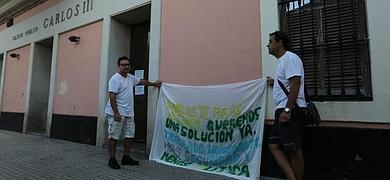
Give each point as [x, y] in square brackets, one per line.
[25, 156]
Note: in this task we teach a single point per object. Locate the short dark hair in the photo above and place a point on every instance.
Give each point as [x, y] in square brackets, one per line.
[279, 35]
[122, 58]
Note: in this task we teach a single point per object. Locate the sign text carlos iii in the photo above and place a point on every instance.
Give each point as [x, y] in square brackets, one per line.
[67, 14]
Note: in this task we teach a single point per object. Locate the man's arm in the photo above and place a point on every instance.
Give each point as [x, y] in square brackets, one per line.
[270, 81]
[148, 83]
[295, 83]
[114, 107]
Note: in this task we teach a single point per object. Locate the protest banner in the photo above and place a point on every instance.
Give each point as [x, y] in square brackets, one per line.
[216, 129]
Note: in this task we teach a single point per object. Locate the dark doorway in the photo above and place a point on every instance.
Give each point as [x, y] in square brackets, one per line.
[139, 54]
[137, 23]
[40, 84]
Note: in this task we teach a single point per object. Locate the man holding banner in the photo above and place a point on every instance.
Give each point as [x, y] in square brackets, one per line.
[285, 142]
[120, 111]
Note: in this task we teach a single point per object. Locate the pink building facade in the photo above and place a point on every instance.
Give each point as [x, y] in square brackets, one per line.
[56, 86]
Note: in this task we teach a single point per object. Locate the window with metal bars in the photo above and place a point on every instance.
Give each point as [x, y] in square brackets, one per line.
[331, 38]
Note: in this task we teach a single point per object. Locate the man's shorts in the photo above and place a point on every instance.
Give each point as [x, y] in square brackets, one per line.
[118, 130]
[289, 135]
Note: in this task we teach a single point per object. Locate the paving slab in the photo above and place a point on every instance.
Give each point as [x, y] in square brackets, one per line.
[26, 156]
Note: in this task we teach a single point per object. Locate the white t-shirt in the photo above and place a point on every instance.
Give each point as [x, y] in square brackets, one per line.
[123, 87]
[289, 65]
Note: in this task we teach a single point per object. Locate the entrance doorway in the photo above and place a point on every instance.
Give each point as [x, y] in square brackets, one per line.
[139, 54]
[40, 82]
[130, 37]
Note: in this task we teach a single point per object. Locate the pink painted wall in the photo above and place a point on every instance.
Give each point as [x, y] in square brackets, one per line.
[15, 80]
[32, 12]
[207, 42]
[77, 81]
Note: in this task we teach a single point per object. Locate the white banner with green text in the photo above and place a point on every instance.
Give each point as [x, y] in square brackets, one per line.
[216, 129]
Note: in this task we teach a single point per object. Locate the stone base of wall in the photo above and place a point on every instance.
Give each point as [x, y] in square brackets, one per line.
[80, 129]
[12, 121]
[338, 153]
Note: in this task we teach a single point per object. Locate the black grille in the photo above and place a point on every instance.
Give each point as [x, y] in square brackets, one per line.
[331, 38]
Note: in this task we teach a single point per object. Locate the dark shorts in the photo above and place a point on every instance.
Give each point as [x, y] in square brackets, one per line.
[289, 135]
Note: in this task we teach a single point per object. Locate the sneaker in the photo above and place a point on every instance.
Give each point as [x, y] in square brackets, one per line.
[127, 160]
[113, 164]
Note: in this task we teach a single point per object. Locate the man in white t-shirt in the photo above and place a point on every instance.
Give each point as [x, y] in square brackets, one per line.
[120, 111]
[285, 142]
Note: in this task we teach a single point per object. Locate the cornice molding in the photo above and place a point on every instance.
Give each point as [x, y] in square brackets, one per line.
[17, 7]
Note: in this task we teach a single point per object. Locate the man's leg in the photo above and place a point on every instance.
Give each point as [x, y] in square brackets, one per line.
[297, 163]
[111, 147]
[113, 134]
[282, 161]
[275, 142]
[129, 130]
[112, 163]
[129, 135]
[127, 146]
[296, 157]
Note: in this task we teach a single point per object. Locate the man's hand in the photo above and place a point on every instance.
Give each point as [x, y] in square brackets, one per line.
[284, 117]
[270, 81]
[117, 117]
[157, 83]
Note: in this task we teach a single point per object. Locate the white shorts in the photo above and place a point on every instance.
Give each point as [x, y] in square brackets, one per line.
[118, 130]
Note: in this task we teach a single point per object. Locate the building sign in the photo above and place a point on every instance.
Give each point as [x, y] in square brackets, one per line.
[61, 16]
[214, 129]
[68, 14]
[26, 33]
